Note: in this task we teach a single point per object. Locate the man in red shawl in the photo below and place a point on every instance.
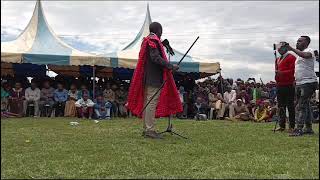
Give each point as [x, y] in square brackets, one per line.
[151, 71]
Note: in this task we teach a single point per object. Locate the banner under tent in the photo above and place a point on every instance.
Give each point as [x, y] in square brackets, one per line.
[128, 57]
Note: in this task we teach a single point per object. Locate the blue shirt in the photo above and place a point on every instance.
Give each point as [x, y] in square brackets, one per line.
[61, 96]
[104, 104]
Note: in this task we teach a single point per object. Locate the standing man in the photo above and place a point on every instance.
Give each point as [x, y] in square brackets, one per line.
[306, 84]
[230, 100]
[285, 66]
[152, 69]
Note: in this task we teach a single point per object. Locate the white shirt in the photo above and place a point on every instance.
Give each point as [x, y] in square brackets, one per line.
[82, 103]
[304, 69]
[230, 97]
[33, 95]
[317, 95]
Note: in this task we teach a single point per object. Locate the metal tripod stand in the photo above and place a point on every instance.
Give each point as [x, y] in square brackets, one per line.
[170, 126]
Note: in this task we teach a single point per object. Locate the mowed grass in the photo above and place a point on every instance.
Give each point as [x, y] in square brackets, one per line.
[51, 148]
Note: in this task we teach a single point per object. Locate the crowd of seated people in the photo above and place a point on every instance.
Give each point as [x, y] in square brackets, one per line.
[56, 98]
[225, 99]
[69, 97]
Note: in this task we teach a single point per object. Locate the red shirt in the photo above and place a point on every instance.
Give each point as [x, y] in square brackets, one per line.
[286, 68]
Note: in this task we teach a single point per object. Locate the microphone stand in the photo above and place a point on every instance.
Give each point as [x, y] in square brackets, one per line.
[169, 128]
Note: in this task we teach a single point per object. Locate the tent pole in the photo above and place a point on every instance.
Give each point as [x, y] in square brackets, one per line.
[94, 81]
[221, 83]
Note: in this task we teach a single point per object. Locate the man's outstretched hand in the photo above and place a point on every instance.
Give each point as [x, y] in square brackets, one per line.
[175, 68]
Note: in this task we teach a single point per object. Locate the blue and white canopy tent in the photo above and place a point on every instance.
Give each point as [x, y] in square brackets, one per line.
[38, 44]
[128, 57]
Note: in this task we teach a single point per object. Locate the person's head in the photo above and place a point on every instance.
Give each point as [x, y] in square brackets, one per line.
[199, 100]
[239, 102]
[33, 85]
[303, 42]
[83, 87]
[85, 96]
[60, 86]
[243, 92]
[266, 103]
[228, 88]
[17, 85]
[156, 28]
[214, 90]
[99, 98]
[201, 89]
[73, 87]
[114, 87]
[282, 50]
[46, 84]
[181, 89]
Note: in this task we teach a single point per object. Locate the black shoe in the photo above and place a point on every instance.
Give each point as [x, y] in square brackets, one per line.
[308, 131]
[296, 132]
[152, 135]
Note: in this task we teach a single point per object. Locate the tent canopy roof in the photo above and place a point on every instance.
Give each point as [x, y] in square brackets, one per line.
[38, 44]
[128, 56]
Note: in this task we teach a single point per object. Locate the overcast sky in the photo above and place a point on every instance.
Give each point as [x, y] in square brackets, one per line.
[238, 34]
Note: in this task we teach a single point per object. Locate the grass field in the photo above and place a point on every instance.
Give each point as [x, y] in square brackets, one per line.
[51, 148]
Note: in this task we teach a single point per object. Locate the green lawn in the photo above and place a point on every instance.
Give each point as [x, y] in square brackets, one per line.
[51, 148]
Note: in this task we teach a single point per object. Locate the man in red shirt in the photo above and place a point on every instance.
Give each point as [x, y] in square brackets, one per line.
[285, 79]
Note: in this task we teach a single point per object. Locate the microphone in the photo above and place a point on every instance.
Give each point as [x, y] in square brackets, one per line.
[168, 47]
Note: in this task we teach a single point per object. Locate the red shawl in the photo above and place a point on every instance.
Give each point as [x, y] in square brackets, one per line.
[169, 101]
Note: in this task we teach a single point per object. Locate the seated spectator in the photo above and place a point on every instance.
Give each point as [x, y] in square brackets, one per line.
[121, 100]
[16, 99]
[215, 103]
[201, 108]
[70, 109]
[203, 95]
[243, 95]
[98, 91]
[60, 98]
[241, 111]
[230, 100]
[84, 89]
[85, 107]
[183, 98]
[262, 113]
[32, 95]
[102, 108]
[46, 98]
[4, 96]
[110, 96]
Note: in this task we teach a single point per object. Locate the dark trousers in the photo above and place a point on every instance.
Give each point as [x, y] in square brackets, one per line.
[59, 108]
[285, 97]
[304, 93]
